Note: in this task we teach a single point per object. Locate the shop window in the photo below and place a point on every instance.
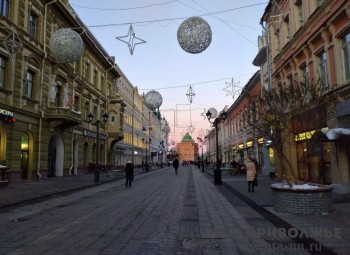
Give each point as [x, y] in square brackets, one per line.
[346, 55]
[24, 156]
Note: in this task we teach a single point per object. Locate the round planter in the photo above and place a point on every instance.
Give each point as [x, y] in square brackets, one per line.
[307, 199]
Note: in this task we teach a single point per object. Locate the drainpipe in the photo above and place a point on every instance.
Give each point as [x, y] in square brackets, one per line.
[41, 85]
[106, 125]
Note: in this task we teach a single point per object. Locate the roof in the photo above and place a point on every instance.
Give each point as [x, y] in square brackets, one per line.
[187, 138]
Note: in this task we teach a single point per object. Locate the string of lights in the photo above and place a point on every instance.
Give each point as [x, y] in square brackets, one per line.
[123, 9]
[177, 18]
[199, 83]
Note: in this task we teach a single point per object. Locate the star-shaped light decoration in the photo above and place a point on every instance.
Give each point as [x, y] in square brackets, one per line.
[131, 40]
[190, 94]
[12, 43]
[204, 114]
[191, 129]
[230, 88]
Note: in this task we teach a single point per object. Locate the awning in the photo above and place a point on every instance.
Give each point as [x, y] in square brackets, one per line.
[336, 133]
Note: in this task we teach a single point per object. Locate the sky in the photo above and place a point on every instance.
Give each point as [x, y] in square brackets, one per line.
[161, 64]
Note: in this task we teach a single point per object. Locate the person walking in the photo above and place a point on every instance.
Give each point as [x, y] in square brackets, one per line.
[251, 172]
[234, 166]
[129, 173]
[176, 165]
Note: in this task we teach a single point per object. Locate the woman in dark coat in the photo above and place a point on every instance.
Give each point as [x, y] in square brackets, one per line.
[129, 173]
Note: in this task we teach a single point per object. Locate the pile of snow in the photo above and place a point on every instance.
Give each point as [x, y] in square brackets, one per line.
[295, 186]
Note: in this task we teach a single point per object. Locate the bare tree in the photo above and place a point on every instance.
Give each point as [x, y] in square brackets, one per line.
[282, 112]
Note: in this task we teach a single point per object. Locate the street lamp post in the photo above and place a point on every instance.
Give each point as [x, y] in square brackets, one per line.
[98, 123]
[219, 119]
[202, 142]
[147, 143]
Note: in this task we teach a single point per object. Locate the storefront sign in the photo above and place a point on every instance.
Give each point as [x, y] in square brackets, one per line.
[92, 134]
[343, 108]
[261, 141]
[249, 144]
[6, 113]
[241, 146]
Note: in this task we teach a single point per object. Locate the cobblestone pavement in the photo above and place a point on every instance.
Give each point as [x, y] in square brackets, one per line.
[162, 213]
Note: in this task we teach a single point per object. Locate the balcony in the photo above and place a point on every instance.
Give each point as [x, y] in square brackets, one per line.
[261, 57]
[63, 117]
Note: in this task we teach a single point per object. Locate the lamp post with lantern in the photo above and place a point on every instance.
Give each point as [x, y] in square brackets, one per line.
[212, 114]
[201, 141]
[98, 123]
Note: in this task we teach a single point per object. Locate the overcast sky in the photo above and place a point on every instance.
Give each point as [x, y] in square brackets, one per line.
[161, 64]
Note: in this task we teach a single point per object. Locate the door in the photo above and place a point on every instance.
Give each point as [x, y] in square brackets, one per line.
[51, 170]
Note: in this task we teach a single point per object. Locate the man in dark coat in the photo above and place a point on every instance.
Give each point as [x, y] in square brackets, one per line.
[129, 173]
[176, 165]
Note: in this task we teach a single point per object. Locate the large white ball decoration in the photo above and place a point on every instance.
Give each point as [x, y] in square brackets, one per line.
[153, 99]
[166, 129]
[214, 113]
[66, 46]
[194, 35]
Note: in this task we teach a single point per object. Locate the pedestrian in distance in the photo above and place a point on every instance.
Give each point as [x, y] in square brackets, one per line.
[129, 173]
[176, 165]
[257, 169]
[234, 166]
[251, 172]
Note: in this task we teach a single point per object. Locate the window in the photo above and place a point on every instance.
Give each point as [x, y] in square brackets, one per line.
[322, 62]
[305, 76]
[286, 28]
[30, 83]
[87, 71]
[346, 55]
[4, 7]
[300, 12]
[87, 110]
[95, 113]
[95, 79]
[58, 96]
[2, 72]
[33, 18]
[76, 103]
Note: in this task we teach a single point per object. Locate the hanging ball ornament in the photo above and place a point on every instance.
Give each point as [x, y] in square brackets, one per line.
[66, 46]
[194, 35]
[214, 113]
[153, 99]
[166, 129]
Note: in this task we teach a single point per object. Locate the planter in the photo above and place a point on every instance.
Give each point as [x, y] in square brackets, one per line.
[302, 199]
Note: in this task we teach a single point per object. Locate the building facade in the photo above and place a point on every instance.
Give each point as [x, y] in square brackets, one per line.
[45, 105]
[306, 41]
[187, 149]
